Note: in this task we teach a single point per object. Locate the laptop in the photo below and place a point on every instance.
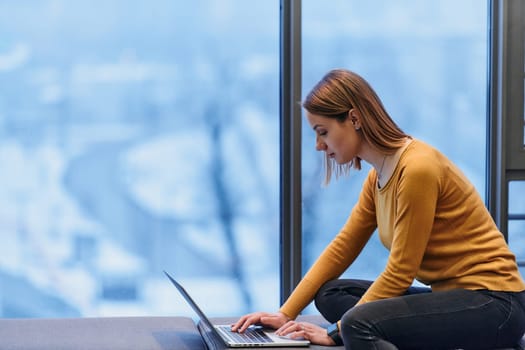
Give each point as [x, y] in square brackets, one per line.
[253, 336]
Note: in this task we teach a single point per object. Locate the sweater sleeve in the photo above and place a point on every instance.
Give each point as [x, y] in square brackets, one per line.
[415, 207]
[339, 254]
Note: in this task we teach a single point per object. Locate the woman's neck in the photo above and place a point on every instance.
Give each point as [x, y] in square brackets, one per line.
[389, 163]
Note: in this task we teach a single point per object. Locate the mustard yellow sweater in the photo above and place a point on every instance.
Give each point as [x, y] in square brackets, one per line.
[435, 225]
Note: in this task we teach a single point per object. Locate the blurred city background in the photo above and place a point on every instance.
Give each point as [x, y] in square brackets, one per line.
[142, 136]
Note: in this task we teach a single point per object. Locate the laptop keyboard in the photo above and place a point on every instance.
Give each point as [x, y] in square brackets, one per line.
[251, 335]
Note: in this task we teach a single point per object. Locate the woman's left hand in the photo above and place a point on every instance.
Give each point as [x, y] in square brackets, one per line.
[314, 333]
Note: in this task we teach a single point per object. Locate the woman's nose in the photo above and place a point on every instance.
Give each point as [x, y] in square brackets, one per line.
[319, 144]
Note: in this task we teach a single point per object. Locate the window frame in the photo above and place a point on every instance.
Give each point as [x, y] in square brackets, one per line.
[505, 135]
[505, 149]
[290, 147]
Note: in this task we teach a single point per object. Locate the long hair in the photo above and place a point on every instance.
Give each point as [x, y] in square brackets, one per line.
[338, 92]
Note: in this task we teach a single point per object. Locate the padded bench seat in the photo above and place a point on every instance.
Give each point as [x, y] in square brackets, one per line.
[116, 333]
[108, 333]
[113, 333]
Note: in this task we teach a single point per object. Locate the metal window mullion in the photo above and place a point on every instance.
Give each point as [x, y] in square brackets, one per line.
[497, 189]
[290, 146]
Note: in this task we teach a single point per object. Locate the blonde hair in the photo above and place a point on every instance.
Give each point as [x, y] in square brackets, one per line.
[338, 92]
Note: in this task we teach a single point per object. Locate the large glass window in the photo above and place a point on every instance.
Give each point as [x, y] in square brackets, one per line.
[137, 137]
[427, 61]
[516, 223]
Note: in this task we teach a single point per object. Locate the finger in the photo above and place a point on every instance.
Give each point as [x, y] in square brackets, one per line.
[242, 327]
[299, 334]
[288, 327]
[239, 323]
[289, 324]
[248, 322]
[283, 327]
[298, 330]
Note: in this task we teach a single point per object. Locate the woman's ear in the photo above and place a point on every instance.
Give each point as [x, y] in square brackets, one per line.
[355, 118]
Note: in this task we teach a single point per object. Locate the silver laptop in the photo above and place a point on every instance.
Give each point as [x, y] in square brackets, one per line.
[253, 336]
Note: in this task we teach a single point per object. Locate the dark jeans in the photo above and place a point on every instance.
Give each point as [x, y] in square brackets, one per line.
[422, 319]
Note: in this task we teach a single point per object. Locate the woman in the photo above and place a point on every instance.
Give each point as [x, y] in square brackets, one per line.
[435, 226]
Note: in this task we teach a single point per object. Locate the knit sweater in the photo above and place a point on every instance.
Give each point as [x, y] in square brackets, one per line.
[433, 222]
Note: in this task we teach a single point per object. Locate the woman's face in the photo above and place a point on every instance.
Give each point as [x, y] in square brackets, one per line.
[339, 140]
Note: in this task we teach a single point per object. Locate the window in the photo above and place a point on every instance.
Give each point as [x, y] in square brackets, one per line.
[516, 236]
[506, 154]
[428, 63]
[137, 137]
[140, 137]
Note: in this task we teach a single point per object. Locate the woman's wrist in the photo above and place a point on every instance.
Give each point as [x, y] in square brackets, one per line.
[285, 316]
[334, 333]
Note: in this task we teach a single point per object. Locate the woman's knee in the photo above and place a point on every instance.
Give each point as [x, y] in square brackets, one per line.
[353, 320]
[324, 300]
[326, 290]
[335, 297]
[357, 328]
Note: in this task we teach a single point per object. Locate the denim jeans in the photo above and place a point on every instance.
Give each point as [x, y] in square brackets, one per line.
[423, 319]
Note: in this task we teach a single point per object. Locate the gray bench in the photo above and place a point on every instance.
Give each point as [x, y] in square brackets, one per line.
[114, 333]
[107, 333]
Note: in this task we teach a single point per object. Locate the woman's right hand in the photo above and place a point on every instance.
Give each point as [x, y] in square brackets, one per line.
[272, 320]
